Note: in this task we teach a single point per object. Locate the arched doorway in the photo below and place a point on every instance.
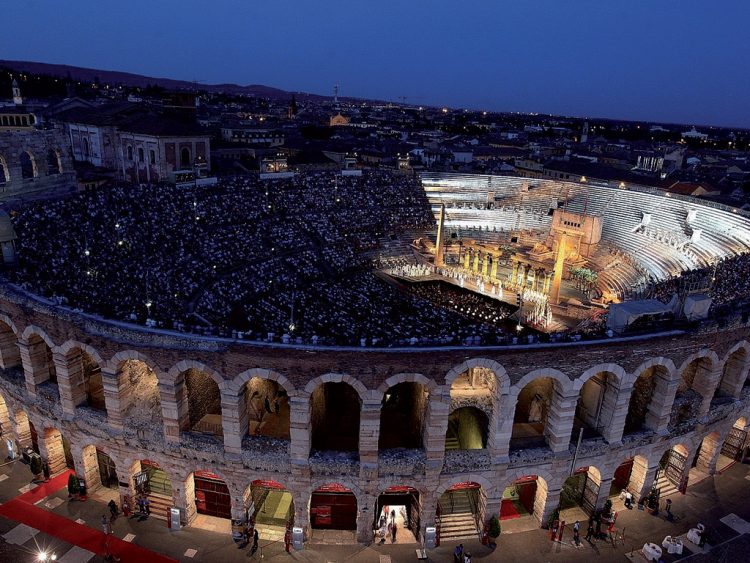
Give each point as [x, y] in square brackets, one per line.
[688, 399]
[402, 416]
[87, 388]
[524, 498]
[595, 407]
[28, 165]
[266, 405]
[271, 505]
[59, 457]
[153, 482]
[140, 401]
[335, 415]
[400, 505]
[333, 507]
[467, 429]
[54, 166]
[185, 161]
[204, 405]
[532, 411]
[735, 444]
[643, 414]
[673, 472]
[581, 490]
[732, 377]
[460, 510]
[210, 494]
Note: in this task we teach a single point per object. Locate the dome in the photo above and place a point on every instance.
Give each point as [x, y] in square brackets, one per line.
[7, 232]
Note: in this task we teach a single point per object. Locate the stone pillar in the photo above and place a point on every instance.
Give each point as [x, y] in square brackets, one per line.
[239, 510]
[559, 424]
[642, 479]
[475, 265]
[705, 384]
[514, 276]
[87, 467]
[231, 423]
[173, 412]
[299, 428]
[438, 409]
[660, 409]
[10, 356]
[51, 449]
[369, 434]
[605, 485]
[35, 364]
[709, 452]
[546, 501]
[615, 406]
[301, 501]
[502, 428]
[114, 398]
[492, 505]
[126, 476]
[467, 258]
[486, 265]
[365, 504]
[70, 380]
[493, 270]
[183, 497]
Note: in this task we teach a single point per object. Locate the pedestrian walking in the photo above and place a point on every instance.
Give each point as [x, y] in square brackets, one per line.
[256, 538]
[106, 525]
[590, 531]
[458, 553]
[112, 509]
[394, 529]
[668, 509]
[577, 533]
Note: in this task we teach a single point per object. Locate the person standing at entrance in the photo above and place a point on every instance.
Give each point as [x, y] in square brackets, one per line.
[256, 538]
[458, 553]
[577, 533]
[590, 531]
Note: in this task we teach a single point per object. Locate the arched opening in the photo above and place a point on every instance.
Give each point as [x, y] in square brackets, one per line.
[25, 432]
[185, 161]
[596, 405]
[335, 417]
[209, 494]
[642, 411]
[688, 399]
[460, 510]
[140, 401]
[621, 480]
[9, 355]
[580, 492]
[43, 372]
[266, 405]
[99, 470]
[525, 498]
[59, 457]
[733, 376]
[141, 155]
[673, 472]
[735, 445]
[204, 404]
[706, 457]
[399, 506]
[4, 172]
[467, 429]
[86, 383]
[28, 166]
[271, 506]
[152, 482]
[403, 416]
[333, 507]
[85, 148]
[532, 411]
[54, 166]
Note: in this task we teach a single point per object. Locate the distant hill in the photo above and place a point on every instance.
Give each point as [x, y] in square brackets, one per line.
[137, 80]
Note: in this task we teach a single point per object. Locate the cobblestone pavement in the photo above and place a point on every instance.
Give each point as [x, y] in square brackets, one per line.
[710, 501]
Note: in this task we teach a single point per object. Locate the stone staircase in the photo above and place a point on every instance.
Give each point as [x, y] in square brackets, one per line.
[159, 504]
[665, 487]
[451, 438]
[457, 521]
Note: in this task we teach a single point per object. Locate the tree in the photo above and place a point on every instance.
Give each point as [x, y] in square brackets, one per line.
[494, 527]
[73, 485]
[35, 464]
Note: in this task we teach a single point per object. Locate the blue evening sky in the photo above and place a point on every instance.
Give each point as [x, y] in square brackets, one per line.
[661, 60]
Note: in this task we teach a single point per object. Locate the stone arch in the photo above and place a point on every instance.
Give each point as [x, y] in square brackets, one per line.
[447, 482]
[501, 375]
[598, 404]
[10, 355]
[184, 365]
[708, 452]
[260, 491]
[85, 148]
[138, 399]
[353, 382]
[54, 164]
[403, 411]
[263, 403]
[468, 429]
[333, 409]
[56, 450]
[583, 489]
[36, 350]
[114, 362]
[735, 368]
[32, 330]
[79, 368]
[185, 161]
[23, 429]
[198, 392]
[325, 480]
[224, 497]
[28, 165]
[540, 402]
[650, 401]
[695, 388]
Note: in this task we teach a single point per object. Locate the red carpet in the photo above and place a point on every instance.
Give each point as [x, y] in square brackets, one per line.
[21, 510]
[508, 510]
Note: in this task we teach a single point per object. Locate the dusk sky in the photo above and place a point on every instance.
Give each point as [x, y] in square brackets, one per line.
[674, 61]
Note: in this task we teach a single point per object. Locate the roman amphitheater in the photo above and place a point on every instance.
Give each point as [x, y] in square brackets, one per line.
[291, 432]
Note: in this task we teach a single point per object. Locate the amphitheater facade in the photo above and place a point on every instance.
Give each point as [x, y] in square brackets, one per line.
[224, 422]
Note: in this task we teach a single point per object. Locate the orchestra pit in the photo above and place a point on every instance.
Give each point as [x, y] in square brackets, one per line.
[323, 355]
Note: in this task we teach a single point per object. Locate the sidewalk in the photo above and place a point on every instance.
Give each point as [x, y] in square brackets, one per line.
[708, 501]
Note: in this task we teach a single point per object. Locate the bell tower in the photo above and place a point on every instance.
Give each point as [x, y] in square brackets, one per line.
[17, 99]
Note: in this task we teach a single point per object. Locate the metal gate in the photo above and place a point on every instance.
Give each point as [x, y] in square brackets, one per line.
[733, 445]
[674, 467]
[590, 495]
